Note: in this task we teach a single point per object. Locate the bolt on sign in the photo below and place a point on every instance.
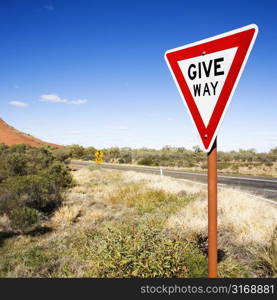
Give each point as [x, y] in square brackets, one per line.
[99, 157]
[206, 74]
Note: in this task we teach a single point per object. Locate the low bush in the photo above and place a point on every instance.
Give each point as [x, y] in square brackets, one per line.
[126, 158]
[223, 165]
[31, 178]
[141, 250]
[20, 160]
[60, 175]
[34, 191]
[62, 154]
[148, 161]
[147, 200]
[23, 218]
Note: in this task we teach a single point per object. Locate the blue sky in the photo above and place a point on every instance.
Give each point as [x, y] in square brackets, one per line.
[102, 64]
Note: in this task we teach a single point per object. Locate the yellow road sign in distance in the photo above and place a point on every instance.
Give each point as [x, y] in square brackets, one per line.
[99, 157]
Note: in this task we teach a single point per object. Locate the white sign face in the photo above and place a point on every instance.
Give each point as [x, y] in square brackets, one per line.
[205, 76]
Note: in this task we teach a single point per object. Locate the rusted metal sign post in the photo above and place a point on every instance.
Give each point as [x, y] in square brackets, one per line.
[212, 211]
[206, 74]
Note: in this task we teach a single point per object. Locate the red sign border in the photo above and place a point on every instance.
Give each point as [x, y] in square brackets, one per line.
[243, 38]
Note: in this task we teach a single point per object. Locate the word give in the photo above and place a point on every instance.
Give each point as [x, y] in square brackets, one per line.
[204, 69]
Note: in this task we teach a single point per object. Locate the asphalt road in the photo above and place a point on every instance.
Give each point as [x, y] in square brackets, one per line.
[263, 186]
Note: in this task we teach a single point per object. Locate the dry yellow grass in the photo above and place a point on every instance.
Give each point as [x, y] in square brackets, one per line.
[244, 221]
[86, 203]
[242, 218]
[83, 175]
[66, 215]
[165, 183]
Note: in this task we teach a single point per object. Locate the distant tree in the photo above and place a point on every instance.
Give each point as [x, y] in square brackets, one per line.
[62, 154]
[114, 153]
[166, 148]
[126, 158]
[273, 151]
[89, 153]
[77, 151]
[181, 149]
[197, 149]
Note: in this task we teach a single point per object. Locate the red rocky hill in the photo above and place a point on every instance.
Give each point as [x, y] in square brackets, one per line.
[11, 136]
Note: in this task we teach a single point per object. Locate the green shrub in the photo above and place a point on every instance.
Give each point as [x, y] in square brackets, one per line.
[148, 161]
[32, 177]
[223, 165]
[88, 157]
[189, 164]
[62, 154]
[147, 200]
[89, 153]
[23, 218]
[16, 164]
[8, 200]
[38, 159]
[34, 191]
[168, 156]
[126, 158]
[77, 151]
[21, 160]
[141, 250]
[60, 174]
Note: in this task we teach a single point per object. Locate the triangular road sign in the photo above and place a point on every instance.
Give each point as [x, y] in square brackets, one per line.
[206, 74]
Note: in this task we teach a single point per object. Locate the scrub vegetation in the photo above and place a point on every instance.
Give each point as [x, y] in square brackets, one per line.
[247, 162]
[32, 185]
[127, 224]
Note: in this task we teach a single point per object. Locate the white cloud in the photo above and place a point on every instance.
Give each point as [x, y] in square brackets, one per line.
[56, 99]
[52, 98]
[79, 101]
[18, 103]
